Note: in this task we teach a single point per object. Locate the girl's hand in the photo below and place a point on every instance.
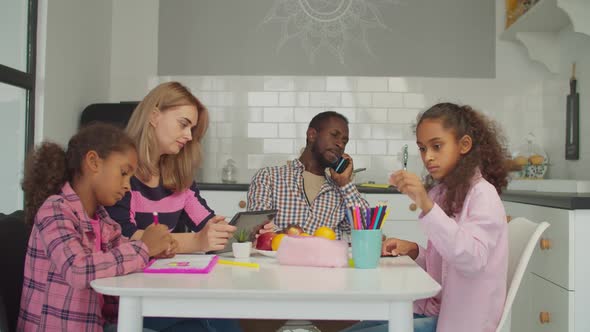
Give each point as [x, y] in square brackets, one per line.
[395, 247]
[411, 185]
[171, 251]
[215, 234]
[345, 177]
[157, 238]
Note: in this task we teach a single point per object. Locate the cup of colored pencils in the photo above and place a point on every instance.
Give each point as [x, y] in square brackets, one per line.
[366, 226]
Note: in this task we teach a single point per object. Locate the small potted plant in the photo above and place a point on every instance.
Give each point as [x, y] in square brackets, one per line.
[242, 245]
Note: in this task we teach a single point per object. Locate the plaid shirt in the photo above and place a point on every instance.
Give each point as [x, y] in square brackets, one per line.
[281, 188]
[61, 261]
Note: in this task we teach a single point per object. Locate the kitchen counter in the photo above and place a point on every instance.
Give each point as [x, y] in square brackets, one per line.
[245, 186]
[568, 201]
[223, 186]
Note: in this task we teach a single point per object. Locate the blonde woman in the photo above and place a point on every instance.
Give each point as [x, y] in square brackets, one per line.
[168, 126]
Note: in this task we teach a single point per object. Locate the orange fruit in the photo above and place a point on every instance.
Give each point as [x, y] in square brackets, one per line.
[276, 241]
[325, 232]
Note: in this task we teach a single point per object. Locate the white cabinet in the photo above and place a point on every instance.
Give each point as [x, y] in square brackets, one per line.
[552, 306]
[553, 260]
[538, 29]
[225, 203]
[402, 221]
[555, 293]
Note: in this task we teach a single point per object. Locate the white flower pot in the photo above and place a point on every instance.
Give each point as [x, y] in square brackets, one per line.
[241, 250]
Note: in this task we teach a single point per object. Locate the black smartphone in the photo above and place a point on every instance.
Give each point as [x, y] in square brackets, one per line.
[340, 165]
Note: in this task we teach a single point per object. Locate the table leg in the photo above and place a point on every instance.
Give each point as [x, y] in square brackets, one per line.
[401, 317]
[130, 317]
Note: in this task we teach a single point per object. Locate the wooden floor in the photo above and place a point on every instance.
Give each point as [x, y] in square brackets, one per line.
[260, 325]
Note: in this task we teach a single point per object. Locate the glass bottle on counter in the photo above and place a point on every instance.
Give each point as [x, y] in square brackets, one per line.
[298, 326]
[229, 172]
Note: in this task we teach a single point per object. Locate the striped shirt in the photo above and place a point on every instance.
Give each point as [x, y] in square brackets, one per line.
[135, 210]
[282, 188]
[61, 261]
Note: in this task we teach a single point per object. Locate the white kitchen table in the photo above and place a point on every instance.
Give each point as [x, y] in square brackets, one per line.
[275, 291]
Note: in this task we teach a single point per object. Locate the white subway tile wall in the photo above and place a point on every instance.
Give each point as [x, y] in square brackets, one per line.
[262, 121]
[278, 146]
[287, 130]
[356, 99]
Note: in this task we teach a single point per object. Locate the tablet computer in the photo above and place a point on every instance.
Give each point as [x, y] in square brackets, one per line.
[249, 221]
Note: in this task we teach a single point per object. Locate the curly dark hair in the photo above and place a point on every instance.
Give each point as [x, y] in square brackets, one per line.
[48, 167]
[488, 152]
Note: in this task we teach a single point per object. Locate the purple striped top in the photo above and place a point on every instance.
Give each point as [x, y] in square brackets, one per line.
[135, 210]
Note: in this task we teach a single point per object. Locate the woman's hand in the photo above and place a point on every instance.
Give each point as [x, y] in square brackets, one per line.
[395, 247]
[215, 234]
[411, 185]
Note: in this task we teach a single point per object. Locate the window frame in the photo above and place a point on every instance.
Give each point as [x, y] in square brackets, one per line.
[26, 80]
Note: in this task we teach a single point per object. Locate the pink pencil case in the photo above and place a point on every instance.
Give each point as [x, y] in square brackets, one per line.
[312, 251]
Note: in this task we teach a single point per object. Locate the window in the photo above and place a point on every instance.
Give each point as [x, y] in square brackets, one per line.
[18, 39]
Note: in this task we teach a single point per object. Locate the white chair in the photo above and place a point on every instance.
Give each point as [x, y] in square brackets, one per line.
[523, 236]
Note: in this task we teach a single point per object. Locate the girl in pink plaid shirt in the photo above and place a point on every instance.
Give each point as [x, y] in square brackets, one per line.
[73, 240]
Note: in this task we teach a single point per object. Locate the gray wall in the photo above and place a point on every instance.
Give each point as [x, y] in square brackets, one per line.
[134, 48]
[77, 63]
[432, 38]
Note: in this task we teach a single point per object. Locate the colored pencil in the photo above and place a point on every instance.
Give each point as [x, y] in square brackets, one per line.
[373, 217]
[234, 263]
[374, 225]
[349, 217]
[357, 212]
[384, 217]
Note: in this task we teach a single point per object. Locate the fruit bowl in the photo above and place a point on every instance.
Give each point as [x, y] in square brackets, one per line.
[536, 171]
[267, 253]
[530, 159]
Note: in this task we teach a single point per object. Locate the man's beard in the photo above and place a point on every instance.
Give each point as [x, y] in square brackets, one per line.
[320, 157]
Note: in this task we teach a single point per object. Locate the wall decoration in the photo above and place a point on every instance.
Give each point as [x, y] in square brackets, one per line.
[329, 24]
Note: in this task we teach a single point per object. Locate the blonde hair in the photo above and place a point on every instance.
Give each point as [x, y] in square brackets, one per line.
[177, 170]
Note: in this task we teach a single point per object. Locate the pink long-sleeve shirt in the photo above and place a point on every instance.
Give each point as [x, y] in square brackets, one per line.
[468, 256]
[63, 257]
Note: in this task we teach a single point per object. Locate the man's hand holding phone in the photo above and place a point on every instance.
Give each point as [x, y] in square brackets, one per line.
[341, 171]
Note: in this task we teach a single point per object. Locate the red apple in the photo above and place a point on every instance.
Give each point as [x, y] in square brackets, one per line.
[264, 241]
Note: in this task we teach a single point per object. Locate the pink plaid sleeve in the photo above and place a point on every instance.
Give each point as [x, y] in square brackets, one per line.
[78, 263]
